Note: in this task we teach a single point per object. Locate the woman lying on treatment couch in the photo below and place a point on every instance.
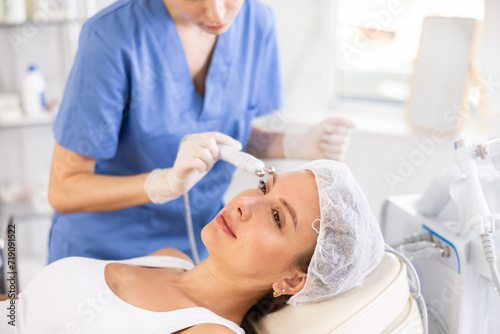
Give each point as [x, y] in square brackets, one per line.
[303, 236]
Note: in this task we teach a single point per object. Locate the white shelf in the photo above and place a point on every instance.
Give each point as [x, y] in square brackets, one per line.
[51, 23]
[27, 121]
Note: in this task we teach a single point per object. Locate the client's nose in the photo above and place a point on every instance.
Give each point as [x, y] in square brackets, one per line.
[246, 206]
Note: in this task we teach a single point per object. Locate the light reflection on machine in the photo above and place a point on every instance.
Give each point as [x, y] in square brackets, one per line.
[457, 282]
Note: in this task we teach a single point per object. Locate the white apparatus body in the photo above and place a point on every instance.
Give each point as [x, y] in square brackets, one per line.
[459, 289]
[475, 212]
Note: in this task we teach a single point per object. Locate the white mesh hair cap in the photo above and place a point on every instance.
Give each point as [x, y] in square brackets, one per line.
[350, 244]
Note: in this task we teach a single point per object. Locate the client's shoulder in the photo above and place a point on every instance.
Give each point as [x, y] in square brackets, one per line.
[172, 252]
[208, 329]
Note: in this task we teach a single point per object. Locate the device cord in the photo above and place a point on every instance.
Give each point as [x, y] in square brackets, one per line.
[414, 286]
[491, 258]
[190, 229]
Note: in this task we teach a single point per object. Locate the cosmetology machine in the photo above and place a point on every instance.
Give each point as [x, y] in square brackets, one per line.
[450, 232]
[388, 302]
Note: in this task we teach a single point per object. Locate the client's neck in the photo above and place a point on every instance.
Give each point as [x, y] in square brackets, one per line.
[219, 291]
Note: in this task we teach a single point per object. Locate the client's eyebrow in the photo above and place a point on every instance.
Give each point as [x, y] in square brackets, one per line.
[290, 209]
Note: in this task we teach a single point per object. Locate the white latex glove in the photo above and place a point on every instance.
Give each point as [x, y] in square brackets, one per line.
[326, 140]
[197, 155]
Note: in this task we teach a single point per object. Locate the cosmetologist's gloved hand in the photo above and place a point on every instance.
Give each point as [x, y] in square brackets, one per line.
[197, 155]
[326, 140]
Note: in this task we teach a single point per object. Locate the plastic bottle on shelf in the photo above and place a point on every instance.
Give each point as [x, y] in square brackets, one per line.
[40, 12]
[33, 92]
[45, 10]
[14, 11]
[29, 9]
[55, 10]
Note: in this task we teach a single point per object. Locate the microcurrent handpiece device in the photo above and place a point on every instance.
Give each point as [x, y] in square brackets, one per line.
[242, 160]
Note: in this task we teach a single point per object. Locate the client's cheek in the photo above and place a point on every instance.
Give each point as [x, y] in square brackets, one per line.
[261, 264]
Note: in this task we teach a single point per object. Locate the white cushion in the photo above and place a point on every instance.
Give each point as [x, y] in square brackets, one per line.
[382, 301]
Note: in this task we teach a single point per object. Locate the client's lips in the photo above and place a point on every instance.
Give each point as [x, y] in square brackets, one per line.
[223, 222]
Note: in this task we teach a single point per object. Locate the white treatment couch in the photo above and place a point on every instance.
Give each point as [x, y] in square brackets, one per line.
[382, 304]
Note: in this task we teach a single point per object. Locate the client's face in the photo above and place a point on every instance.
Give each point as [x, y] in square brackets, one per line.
[262, 231]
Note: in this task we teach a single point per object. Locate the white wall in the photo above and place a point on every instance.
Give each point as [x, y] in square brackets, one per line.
[306, 35]
[491, 53]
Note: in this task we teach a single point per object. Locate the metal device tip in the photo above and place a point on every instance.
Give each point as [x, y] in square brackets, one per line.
[270, 170]
[260, 173]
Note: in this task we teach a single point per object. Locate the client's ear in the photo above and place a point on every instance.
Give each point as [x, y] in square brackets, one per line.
[291, 285]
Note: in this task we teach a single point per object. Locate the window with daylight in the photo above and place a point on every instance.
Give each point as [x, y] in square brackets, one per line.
[377, 42]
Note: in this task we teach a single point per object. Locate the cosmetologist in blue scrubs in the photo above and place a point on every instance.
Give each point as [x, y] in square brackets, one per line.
[129, 101]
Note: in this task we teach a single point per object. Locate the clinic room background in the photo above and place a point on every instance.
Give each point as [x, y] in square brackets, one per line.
[371, 61]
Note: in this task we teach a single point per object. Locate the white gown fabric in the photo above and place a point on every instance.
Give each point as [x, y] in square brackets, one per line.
[71, 296]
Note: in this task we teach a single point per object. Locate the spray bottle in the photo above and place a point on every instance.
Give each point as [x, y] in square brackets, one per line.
[33, 92]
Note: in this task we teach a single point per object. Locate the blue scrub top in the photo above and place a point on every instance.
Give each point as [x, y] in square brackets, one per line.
[129, 101]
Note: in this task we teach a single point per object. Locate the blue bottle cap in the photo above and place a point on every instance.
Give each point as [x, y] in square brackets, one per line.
[32, 68]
